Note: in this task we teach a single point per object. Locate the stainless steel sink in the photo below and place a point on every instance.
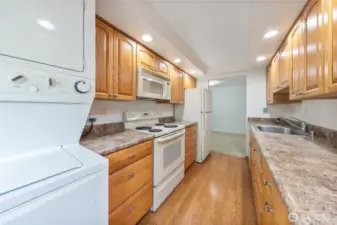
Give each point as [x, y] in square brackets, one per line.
[279, 130]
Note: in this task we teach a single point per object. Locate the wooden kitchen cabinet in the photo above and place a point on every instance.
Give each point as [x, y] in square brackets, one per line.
[177, 85]
[163, 67]
[189, 81]
[269, 205]
[104, 60]
[125, 68]
[330, 43]
[146, 58]
[275, 73]
[115, 64]
[190, 145]
[130, 183]
[314, 62]
[285, 64]
[296, 77]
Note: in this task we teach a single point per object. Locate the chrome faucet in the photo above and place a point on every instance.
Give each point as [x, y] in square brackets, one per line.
[303, 125]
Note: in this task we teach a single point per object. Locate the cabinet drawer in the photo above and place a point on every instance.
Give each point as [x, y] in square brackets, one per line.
[190, 141]
[123, 158]
[131, 211]
[189, 159]
[128, 181]
[191, 129]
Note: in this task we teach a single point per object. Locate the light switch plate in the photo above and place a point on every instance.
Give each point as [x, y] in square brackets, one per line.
[265, 110]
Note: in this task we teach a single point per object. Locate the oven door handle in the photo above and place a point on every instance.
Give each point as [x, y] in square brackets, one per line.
[161, 140]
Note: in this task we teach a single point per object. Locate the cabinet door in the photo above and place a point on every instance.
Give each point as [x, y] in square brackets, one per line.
[176, 85]
[275, 73]
[269, 86]
[297, 61]
[285, 65]
[163, 67]
[125, 68]
[181, 87]
[104, 60]
[146, 58]
[189, 82]
[314, 62]
[332, 45]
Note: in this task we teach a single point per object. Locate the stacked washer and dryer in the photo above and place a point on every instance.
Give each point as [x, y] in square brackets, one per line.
[47, 67]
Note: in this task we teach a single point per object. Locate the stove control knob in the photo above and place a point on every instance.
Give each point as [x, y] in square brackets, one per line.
[82, 87]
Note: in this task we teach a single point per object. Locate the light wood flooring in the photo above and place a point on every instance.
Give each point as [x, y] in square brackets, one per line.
[218, 192]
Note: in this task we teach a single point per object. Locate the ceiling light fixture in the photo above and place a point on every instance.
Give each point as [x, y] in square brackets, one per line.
[46, 24]
[177, 60]
[261, 58]
[270, 34]
[192, 72]
[213, 82]
[147, 38]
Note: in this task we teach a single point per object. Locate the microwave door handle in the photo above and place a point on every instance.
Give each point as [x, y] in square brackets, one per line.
[161, 140]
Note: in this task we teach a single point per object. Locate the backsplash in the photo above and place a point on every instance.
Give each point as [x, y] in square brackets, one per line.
[112, 111]
[317, 112]
[99, 130]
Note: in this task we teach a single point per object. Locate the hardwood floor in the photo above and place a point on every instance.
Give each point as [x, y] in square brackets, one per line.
[218, 192]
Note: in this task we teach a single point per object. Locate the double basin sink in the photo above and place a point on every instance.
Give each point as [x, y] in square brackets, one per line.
[279, 130]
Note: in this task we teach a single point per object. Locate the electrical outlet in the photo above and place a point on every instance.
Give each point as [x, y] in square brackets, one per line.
[265, 110]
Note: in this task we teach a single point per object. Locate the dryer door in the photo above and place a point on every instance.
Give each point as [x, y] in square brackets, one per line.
[48, 32]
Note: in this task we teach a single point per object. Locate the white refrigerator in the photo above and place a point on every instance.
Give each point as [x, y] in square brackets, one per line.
[198, 107]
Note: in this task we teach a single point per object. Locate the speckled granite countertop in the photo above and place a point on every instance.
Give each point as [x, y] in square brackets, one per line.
[107, 144]
[305, 173]
[184, 123]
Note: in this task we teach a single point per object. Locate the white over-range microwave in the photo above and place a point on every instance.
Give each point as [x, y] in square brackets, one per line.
[151, 85]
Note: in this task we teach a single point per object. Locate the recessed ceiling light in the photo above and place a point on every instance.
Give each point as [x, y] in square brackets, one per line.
[213, 82]
[177, 60]
[270, 34]
[261, 58]
[192, 72]
[46, 24]
[147, 38]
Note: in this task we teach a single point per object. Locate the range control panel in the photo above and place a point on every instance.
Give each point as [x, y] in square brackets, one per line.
[34, 85]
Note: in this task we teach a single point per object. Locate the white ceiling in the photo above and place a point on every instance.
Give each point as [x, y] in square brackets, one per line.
[212, 37]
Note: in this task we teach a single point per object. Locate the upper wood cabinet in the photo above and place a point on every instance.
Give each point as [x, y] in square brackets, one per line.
[177, 86]
[163, 67]
[189, 81]
[275, 72]
[285, 65]
[115, 64]
[297, 37]
[330, 41]
[125, 68]
[269, 86]
[149, 60]
[104, 60]
[314, 62]
[146, 58]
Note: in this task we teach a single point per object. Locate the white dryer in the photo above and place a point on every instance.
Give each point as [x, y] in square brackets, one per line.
[47, 86]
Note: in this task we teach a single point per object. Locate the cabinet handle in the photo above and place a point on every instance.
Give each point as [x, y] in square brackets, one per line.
[298, 93]
[268, 209]
[132, 208]
[254, 149]
[266, 183]
[132, 156]
[131, 175]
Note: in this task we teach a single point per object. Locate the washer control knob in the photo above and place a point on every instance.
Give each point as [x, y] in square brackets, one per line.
[82, 87]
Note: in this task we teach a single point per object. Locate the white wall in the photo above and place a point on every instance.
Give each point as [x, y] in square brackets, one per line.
[229, 105]
[112, 111]
[256, 93]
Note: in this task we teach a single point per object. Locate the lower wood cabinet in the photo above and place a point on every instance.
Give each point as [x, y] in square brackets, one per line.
[270, 209]
[190, 145]
[131, 211]
[130, 184]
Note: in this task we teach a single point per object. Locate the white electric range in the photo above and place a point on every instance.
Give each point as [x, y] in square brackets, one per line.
[168, 152]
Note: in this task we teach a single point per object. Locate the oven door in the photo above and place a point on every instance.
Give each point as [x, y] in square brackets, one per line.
[169, 154]
[151, 86]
